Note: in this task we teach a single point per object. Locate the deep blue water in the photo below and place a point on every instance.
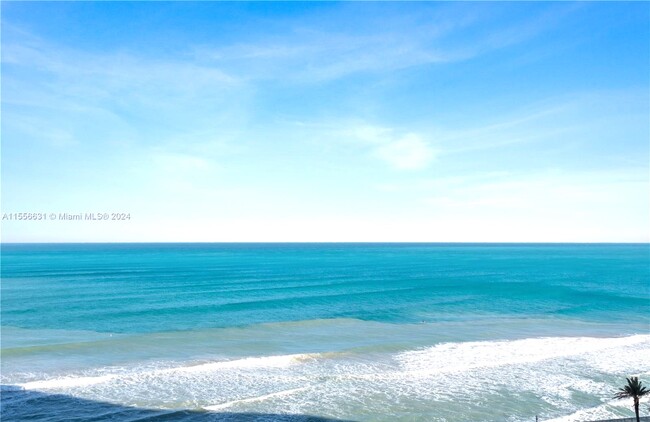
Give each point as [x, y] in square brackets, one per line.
[163, 287]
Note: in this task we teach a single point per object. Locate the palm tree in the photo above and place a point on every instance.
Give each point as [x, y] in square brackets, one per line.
[635, 390]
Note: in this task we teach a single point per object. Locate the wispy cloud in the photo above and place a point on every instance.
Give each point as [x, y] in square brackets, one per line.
[115, 69]
[510, 129]
[313, 51]
[559, 121]
[320, 58]
[400, 150]
[119, 82]
[57, 96]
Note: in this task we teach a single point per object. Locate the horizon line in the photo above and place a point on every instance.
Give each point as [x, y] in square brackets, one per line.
[327, 242]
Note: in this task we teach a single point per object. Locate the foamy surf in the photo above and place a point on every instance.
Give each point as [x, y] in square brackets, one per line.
[548, 372]
[460, 357]
[66, 382]
[610, 409]
[280, 361]
[276, 394]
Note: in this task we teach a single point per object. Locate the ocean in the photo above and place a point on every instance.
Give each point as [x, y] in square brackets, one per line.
[319, 332]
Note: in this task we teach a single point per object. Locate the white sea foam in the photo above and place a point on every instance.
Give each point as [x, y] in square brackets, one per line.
[276, 394]
[460, 357]
[545, 373]
[280, 361]
[66, 382]
[609, 410]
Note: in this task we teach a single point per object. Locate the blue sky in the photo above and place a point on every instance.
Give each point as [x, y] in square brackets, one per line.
[327, 121]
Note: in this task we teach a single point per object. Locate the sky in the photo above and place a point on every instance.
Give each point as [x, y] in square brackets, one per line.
[326, 122]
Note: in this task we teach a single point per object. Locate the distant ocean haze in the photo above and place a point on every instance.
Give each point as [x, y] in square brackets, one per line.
[371, 332]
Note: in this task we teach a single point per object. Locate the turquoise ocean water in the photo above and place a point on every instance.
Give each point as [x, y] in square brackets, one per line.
[363, 332]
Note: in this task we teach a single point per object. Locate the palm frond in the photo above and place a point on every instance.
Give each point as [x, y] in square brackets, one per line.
[634, 389]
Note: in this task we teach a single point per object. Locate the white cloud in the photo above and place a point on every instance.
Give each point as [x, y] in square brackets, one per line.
[401, 151]
[119, 86]
[409, 152]
[312, 50]
[321, 56]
